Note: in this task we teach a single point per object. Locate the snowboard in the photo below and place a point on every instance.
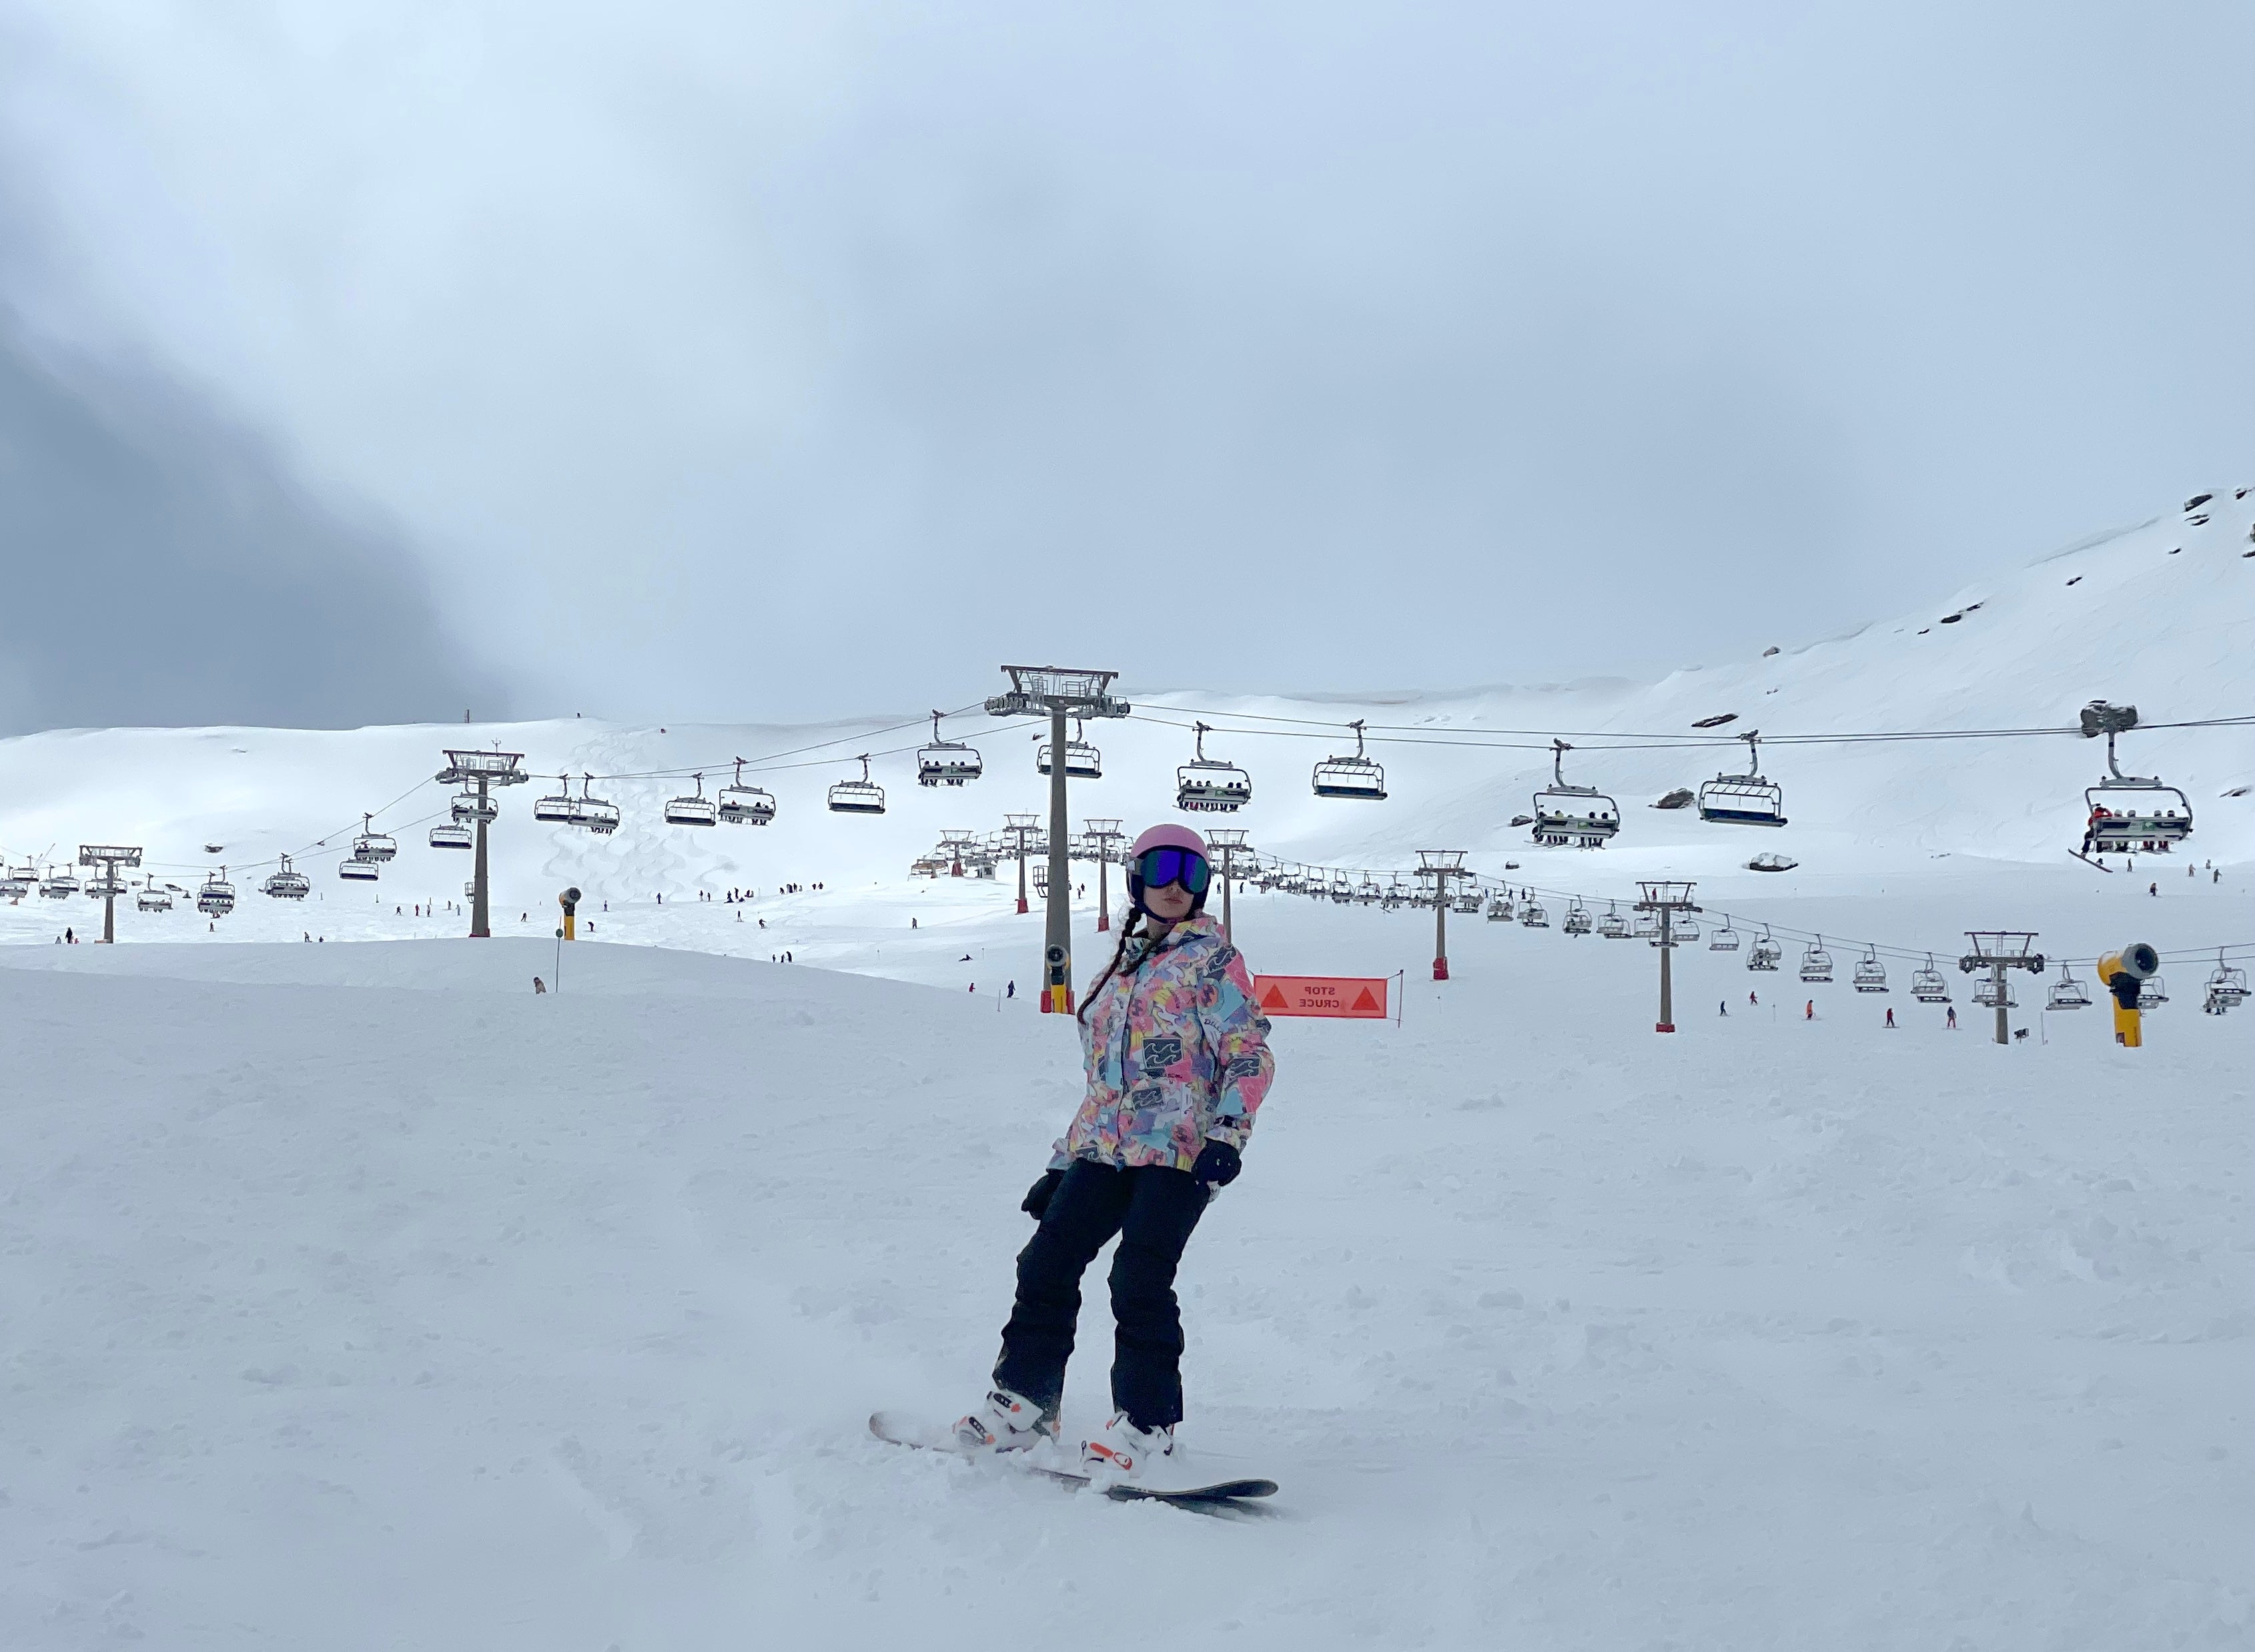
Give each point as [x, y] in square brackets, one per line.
[1220, 1495]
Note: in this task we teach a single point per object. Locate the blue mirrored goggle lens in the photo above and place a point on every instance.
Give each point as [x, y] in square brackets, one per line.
[1161, 867]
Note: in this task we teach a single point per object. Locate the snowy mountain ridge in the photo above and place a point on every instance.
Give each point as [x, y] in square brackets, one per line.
[2156, 616]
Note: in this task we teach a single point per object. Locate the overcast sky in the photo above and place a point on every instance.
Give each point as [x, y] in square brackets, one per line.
[725, 360]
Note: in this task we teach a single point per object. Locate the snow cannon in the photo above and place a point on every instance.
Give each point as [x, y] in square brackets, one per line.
[2124, 974]
[569, 900]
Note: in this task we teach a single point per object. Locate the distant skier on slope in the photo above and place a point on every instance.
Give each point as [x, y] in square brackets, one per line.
[1177, 1062]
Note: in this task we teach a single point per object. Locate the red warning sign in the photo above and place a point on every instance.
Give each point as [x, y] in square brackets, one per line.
[1352, 997]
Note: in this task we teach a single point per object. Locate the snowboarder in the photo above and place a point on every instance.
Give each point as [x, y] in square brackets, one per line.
[1177, 1063]
[1752, 1000]
[1010, 991]
[1951, 1023]
[1723, 1008]
[1891, 1020]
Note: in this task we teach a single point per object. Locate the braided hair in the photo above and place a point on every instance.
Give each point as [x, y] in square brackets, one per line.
[1127, 932]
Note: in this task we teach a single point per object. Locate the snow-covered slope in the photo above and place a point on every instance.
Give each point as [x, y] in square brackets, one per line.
[356, 1298]
[2158, 615]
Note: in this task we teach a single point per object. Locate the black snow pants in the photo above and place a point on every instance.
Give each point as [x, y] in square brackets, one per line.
[1153, 1208]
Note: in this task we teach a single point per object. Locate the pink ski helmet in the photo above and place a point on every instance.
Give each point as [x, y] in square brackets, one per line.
[1166, 836]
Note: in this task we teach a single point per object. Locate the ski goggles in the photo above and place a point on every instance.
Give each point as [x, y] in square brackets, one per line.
[1158, 868]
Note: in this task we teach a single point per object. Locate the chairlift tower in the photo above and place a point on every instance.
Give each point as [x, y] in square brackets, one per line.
[1231, 841]
[1667, 899]
[1440, 865]
[112, 859]
[483, 769]
[1018, 826]
[1997, 951]
[1102, 834]
[1063, 693]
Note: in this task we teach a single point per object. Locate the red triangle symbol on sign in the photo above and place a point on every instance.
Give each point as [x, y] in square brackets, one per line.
[1273, 999]
[1366, 1002]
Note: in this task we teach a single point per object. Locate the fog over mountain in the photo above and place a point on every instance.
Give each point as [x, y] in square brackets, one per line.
[807, 360]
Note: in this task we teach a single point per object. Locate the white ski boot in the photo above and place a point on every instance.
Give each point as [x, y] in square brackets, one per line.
[1122, 1451]
[1007, 1422]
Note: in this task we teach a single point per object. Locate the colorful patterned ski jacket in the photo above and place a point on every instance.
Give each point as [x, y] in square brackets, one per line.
[1175, 1051]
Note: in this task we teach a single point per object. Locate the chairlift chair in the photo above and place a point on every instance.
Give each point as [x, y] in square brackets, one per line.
[1355, 776]
[1766, 954]
[59, 885]
[1465, 900]
[1724, 939]
[946, 762]
[2068, 992]
[745, 806]
[693, 809]
[1082, 761]
[1645, 926]
[2129, 813]
[1580, 816]
[1816, 962]
[470, 890]
[1871, 973]
[1684, 929]
[216, 897]
[448, 835]
[1532, 915]
[1747, 799]
[287, 884]
[1984, 993]
[1579, 921]
[1613, 926]
[1928, 986]
[469, 808]
[1205, 785]
[1340, 890]
[598, 815]
[15, 883]
[858, 796]
[153, 896]
[1499, 907]
[1369, 891]
[2227, 988]
[558, 808]
[2154, 990]
[371, 845]
[354, 871]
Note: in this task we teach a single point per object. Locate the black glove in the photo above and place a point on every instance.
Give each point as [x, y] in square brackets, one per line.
[1039, 1195]
[1217, 1165]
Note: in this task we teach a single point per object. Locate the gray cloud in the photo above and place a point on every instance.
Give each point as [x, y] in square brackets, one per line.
[805, 357]
[162, 567]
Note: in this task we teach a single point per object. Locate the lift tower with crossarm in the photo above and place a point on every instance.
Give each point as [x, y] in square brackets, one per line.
[1061, 693]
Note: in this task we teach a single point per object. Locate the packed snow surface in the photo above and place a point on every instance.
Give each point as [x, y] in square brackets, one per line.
[360, 1298]
[356, 1297]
